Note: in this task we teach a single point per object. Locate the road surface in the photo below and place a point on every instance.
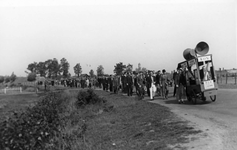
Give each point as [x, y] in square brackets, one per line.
[217, 119]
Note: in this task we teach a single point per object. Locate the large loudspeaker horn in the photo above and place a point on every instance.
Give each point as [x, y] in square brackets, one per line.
[202, 48]
[189, 54]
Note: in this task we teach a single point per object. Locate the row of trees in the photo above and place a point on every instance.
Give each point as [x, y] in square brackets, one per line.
[54, 69]
[119, 68]
[7, 79]
[50, 68]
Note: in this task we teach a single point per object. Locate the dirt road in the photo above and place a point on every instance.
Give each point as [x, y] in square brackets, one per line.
[217, 119]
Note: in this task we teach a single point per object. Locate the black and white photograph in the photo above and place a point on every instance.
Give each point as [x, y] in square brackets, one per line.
[118, 75]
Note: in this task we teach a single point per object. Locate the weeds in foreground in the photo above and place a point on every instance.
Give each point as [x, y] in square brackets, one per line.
[53, 123]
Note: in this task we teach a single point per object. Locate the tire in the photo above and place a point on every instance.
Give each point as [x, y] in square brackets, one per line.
[194, 97]
[213, 98]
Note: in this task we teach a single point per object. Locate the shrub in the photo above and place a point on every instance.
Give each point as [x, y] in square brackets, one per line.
[29, 89]
[13, 77]
[31, 77]
[7, 79]
[33, 128]
[88, 97]
[1, 79]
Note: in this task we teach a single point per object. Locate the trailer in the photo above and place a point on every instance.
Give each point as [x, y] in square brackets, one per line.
[201, 80]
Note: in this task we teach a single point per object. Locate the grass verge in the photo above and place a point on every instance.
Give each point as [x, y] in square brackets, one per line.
[114, 122]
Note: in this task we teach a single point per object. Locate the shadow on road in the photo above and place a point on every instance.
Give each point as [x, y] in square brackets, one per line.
[174, 101]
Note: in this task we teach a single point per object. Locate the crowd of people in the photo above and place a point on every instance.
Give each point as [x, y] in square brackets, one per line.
[148, 83]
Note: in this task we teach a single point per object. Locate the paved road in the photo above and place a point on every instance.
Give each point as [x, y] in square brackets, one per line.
[217, 118]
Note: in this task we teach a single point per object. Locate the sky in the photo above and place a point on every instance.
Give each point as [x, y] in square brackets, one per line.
[153, 33]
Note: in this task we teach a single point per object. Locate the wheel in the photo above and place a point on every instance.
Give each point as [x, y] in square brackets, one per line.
[213, 98]
[194, 97]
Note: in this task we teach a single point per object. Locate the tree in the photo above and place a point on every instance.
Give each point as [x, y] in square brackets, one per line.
[144, 69]
[12, 77]
[129, 68]
[100, 70]
[31, 76]
[32, 67]
[92, 74]
[119, 68]
[64, 67]
[48, 65]
[138, 69]
[1, 79]
[41, 69]
[7, 79]
[55, 68]
[77, 69]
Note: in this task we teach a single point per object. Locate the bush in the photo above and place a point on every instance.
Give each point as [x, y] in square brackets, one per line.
[88, 97]
[13, 77]
[7, 79]
[1, 79]
[31, 77]
[33, 128]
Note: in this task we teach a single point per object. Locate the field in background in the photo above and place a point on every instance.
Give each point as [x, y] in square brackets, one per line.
[16, 102]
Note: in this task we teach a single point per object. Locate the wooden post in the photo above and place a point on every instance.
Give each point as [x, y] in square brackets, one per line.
[221, 76]
[235, 78]
[5, 91]
[20, 90]
[226, 76]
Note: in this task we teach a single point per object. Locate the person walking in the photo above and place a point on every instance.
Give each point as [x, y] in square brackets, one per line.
[129, 81]
[158, 90]
[164, 84]
[180, 84]
[152, 87]
[174, 77]
[140, 83]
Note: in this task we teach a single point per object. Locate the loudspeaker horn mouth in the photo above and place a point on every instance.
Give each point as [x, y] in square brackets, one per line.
[202, 48]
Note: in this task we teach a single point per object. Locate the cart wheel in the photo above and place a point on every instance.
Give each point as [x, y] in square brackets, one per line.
[194, 97]
[189, 98]
[213, 98]
[204, 99]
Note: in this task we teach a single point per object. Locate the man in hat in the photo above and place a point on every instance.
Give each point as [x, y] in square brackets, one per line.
[180, 82]
[151, 85]
[140, 83]
[129, 84]
[158, 82]
[164, 84]
[123, 80]
[174, 77]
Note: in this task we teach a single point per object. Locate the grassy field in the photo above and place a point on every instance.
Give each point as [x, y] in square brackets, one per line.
[126, 123]
[15, 102]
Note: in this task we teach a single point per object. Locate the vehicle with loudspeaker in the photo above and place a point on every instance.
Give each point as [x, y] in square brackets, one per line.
[201, 81]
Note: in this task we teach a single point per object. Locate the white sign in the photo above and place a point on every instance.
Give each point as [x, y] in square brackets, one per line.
[208, 84]
[204, 58]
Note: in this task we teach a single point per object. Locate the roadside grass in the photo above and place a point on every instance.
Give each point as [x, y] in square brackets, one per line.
[134, 124]
[118, 123]
[16, 102]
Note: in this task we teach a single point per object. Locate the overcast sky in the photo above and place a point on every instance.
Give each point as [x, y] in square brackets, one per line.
[105, 32]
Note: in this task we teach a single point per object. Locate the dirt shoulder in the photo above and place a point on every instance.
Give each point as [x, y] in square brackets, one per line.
[211, 136]
[213, 132]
